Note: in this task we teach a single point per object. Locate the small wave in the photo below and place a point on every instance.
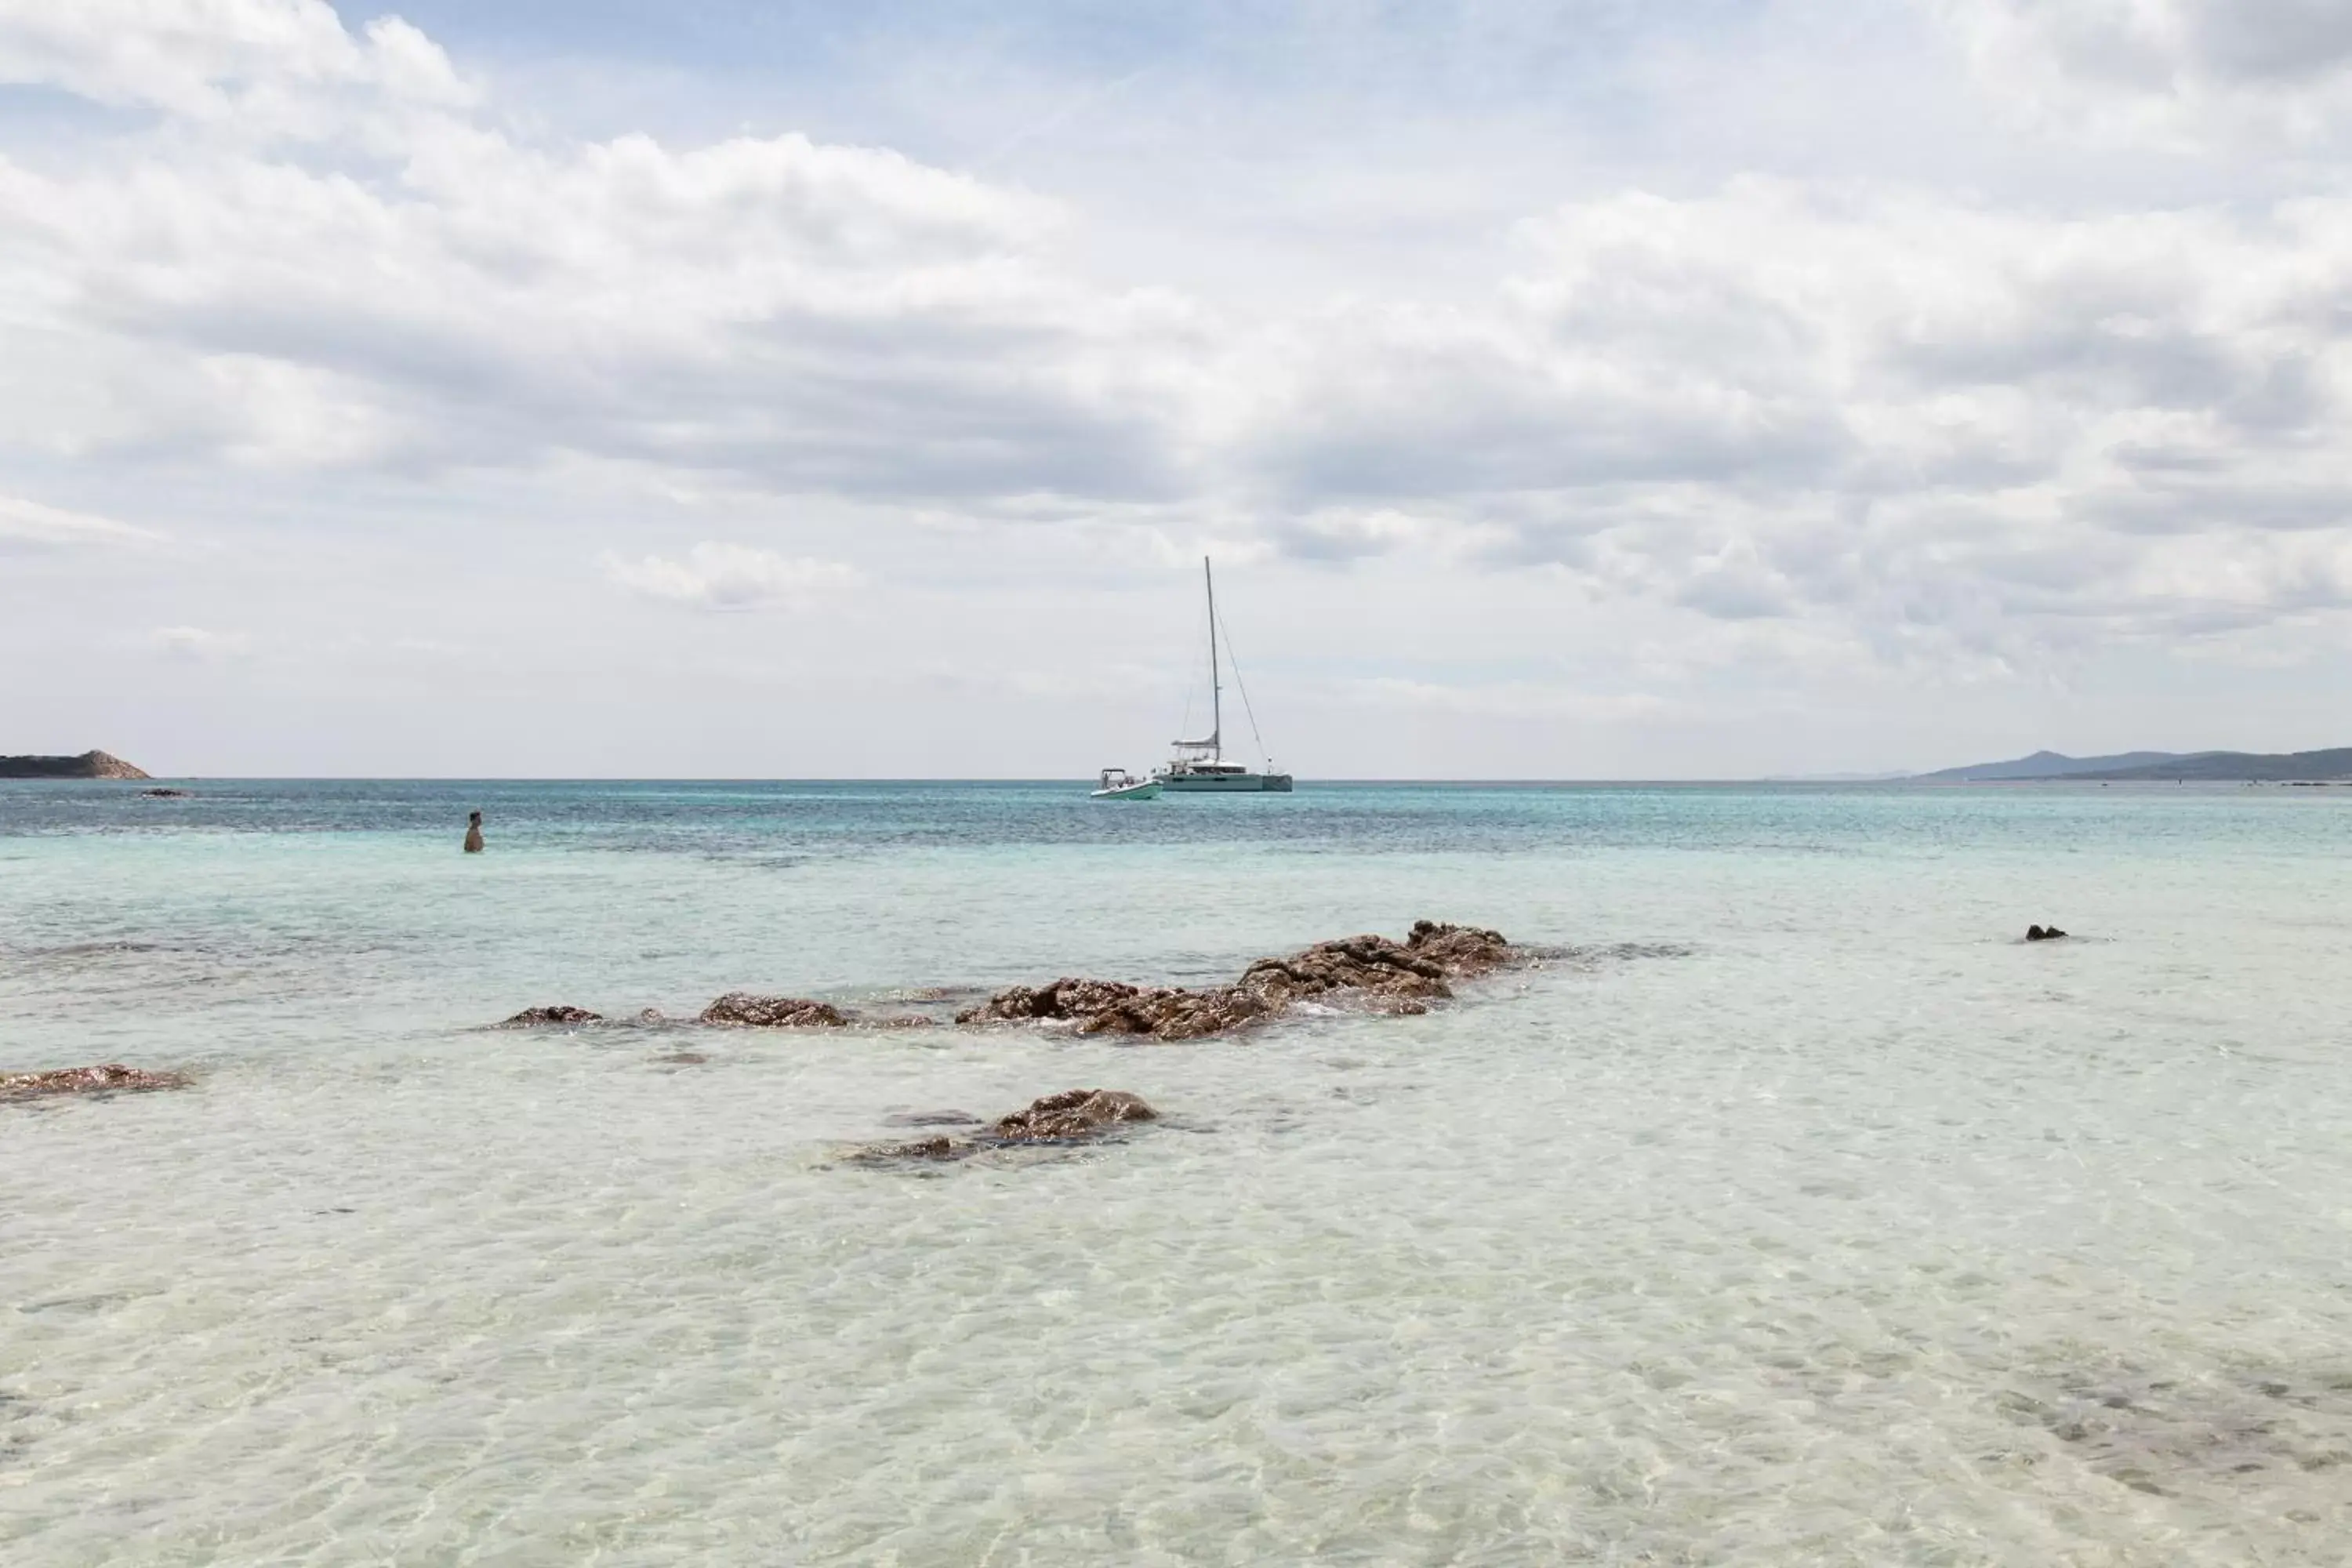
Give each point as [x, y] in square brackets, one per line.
[70, 950]
[1593, 954]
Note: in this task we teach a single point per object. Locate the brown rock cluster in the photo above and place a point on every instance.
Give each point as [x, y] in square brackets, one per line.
[744, 1010]
[532, 1017]
[1114, 1008]
[1358, 971]
[1073, 1116]
[111, 1078]
[737, 1009]
[1368, 973]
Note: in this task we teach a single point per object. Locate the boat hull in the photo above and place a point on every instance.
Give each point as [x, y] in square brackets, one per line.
[1226, 784]
[1148, 790]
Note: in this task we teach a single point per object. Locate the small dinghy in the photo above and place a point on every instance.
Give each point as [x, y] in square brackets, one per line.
[1117, 783]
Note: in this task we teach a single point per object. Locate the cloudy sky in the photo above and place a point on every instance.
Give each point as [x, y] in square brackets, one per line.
[1592, 388]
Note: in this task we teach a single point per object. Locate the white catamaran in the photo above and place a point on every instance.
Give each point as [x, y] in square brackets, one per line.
[1198, 766]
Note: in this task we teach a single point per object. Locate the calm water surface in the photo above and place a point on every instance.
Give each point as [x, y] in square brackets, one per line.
[1798, 1213]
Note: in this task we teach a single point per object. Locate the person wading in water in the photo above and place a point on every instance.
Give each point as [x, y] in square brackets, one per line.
[473, 833]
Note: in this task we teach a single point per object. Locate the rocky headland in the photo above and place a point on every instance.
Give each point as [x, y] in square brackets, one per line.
[88, 765]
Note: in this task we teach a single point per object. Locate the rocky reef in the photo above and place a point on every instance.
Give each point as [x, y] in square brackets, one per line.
[1073, 1116]
[737, 1009]
[88, 765]
[743, 1010]
[109, 1077]
[535, 1017]
[1367, 974]
[1370, 972]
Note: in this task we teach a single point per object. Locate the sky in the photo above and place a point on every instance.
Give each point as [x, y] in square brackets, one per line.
[1599, 388]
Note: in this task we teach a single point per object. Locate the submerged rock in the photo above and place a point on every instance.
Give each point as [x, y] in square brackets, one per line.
[165, 794]
[1114, 1008]
[744, 1010]
[2043, 933]
[109, 1077]
[532, 1017]
[940, 1149]
[737, 1008]
[1462, 949]
[1072, 1116]
[1416, 968]
[1394, 976]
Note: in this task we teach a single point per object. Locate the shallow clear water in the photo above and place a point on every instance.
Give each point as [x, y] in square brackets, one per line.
[1799, 1214]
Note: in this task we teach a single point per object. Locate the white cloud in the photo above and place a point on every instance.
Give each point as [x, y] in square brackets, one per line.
[1932, 420]
[1507, 700]
[1927, 418]
[2177, 73]
[277, 66]
[29, 525]
[196, 645]
[730, 577]
[427, 293]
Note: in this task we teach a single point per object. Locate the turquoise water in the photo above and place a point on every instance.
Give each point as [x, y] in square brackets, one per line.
[1795, 1212]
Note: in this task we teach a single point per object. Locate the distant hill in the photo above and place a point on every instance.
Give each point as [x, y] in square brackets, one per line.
[2333, 763]
[88, 765]
[2049, 765]
[2210, 766]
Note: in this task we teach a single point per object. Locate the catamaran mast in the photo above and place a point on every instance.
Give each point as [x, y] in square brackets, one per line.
[1216, 691]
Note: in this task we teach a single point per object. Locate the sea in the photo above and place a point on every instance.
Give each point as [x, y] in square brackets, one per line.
[1791, 1210]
